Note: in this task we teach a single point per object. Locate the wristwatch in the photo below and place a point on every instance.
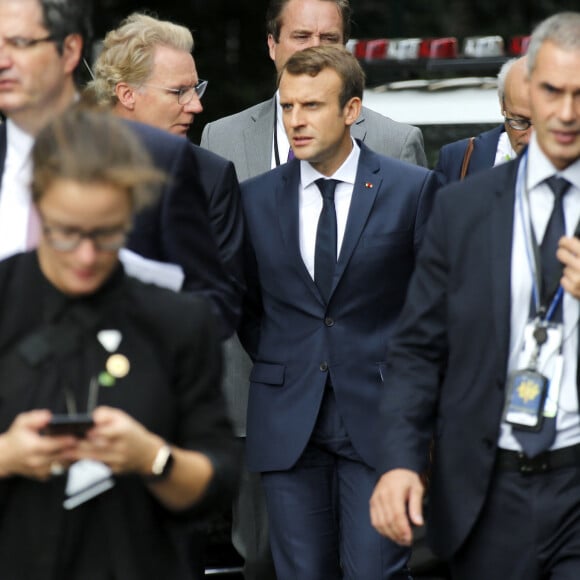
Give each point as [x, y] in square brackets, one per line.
[162, 464]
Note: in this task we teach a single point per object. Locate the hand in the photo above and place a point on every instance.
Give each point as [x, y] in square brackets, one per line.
[119, 441]
[25, 452]
[397, 493]
[569, 254]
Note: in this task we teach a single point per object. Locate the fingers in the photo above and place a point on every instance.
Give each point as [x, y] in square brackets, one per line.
[416, 506]
[32, 420]
[396, 503]
[119, 441]
[569, 254]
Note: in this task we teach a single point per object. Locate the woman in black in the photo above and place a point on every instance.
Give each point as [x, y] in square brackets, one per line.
[79, 336]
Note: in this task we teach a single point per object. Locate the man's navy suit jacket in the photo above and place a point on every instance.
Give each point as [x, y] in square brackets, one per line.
[297, 341]
[447, 362]
[483, 156]
[177, 229]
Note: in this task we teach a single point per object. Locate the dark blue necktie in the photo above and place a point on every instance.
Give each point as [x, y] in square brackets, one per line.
[534, 443]
[325, 249]
[556, 228]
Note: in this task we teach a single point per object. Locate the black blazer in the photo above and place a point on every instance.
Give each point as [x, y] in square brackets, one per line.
[447, 362]
[177, 228]
[48, 341]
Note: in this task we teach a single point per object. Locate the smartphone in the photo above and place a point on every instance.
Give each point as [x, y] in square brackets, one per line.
[76, 425]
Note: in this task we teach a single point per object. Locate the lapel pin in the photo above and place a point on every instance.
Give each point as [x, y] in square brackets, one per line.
[106, 380]
[368, 185]
[118, 365]
[109, 339]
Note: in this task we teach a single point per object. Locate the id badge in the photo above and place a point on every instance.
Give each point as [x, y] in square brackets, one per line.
[533, 391]
[527, 390]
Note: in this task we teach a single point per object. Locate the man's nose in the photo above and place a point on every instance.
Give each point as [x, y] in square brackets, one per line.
[194, 106]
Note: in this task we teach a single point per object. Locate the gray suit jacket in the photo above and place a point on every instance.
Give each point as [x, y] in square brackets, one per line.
[246, 139]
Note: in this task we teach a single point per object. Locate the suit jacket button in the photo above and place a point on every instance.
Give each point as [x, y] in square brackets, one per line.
[329, 321]
[324, 366]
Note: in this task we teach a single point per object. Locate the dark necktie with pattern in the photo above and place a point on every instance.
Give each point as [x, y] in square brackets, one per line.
[536, 442]
[325, 249]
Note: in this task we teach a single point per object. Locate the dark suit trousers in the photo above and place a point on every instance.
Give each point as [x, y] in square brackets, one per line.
[529, 529]
[319, 512]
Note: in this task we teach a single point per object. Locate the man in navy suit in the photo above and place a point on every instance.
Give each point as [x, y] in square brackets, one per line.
[327, 276]
[484, 365]
[502, 143]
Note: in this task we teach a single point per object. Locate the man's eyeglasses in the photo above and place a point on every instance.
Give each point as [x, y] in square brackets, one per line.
[67, 239]
[184, 94]
[517, 124]
[21, 42]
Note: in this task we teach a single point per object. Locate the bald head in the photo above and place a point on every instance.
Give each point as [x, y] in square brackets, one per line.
[516, 103]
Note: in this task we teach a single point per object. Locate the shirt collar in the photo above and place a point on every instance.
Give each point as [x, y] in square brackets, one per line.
[346, 172]
[504, 148]
[19, 142]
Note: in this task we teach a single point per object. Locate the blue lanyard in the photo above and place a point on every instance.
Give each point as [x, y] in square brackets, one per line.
[545, 312]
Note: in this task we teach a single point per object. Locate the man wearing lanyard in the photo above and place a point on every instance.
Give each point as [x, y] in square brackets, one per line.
[484, 365]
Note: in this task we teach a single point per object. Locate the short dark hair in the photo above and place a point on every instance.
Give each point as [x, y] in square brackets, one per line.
[276, 7]
[312, 61]
[64, 17]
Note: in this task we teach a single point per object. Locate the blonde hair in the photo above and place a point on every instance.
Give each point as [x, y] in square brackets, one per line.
[128, 51]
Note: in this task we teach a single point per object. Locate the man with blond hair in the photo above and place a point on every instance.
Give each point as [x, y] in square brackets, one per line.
[145, 72]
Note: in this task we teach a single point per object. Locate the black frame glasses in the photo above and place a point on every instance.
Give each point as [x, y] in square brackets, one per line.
[517, 124]
[184, 94]
[68, 239]
[22, 43]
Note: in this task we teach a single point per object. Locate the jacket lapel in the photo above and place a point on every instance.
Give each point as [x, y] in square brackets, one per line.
[366, 186]
[288, 221]
[501, 234]
[3, 145]
[359, 129]
[485, 150]
[259, 138]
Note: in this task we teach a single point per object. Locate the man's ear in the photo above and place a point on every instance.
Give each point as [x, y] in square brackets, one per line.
[352, 110]
[272, 47]
[72, 51]
[125, 95]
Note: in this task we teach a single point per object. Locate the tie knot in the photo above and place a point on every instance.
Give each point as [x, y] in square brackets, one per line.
[558, 185]
[327, 187]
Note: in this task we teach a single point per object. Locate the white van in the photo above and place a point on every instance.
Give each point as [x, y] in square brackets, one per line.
[444, 110]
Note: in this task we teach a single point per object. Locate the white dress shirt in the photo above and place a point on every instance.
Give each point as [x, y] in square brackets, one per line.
[504, 151]
[310, 203]
[541, 201]
[15, 200]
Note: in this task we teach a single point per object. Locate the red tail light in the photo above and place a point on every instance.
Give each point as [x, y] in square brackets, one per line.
[518, 45]
[438, 48]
